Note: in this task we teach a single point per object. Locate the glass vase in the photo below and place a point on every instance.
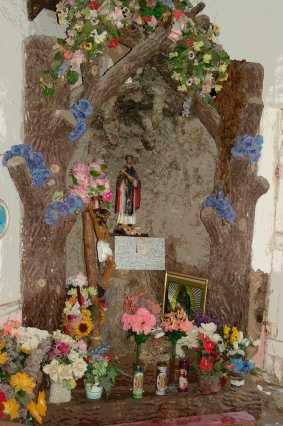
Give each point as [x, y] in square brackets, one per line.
[172, 365]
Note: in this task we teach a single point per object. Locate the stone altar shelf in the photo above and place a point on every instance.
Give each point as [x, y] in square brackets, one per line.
[122, 409]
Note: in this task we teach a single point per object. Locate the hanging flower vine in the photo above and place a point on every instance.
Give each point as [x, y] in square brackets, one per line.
[196, 62]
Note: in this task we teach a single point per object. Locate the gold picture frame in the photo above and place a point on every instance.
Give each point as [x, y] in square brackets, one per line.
[188, 291]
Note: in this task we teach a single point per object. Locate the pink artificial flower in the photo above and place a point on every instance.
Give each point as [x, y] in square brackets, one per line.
[62, 348]
[178, 14]
[185, 326]
[81, 172]
[107, 197]
[82, 192]
[78, 56]
[68, 55]
[127, 321]
[10, 328]
[153, 307]
[82, 346]
[143, 321]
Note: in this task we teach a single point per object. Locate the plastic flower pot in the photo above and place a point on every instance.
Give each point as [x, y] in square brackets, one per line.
[93, 391]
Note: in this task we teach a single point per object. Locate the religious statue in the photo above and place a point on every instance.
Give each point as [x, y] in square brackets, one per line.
[128, 196]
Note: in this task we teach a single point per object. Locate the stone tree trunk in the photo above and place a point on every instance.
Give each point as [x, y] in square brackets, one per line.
[239, 108]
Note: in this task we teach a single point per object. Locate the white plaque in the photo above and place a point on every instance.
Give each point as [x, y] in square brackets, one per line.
[140, 253]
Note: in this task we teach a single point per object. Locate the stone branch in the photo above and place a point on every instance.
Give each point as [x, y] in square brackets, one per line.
[208, 116]
[21, 177]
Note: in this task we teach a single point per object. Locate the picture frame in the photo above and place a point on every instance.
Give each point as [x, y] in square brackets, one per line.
[186, 290]
[4, 218]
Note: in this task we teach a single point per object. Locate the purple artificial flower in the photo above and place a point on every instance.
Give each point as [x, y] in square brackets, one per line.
[78, 131]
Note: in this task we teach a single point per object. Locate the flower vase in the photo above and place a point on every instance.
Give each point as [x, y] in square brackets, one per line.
[209, 384]
[237, 380]
[93, 391]
[59, 393]
[172, 366]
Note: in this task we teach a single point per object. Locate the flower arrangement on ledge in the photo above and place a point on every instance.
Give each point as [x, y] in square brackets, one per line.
[101, 373]
[197, 62]
[140, 319]
[66, 362]
[78, 310]
[22, 351]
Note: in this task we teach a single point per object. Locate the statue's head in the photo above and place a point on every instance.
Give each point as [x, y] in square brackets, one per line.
[129, 160]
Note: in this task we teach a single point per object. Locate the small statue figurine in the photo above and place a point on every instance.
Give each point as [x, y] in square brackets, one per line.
[128, 196]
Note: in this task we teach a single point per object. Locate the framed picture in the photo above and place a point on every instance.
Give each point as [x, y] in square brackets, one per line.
[4, 218]
[186, 291]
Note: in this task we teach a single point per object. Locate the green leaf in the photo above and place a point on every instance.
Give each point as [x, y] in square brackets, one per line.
[48, 91]
[59, 57]
[94, 173]
[72, 77]
[61, 41]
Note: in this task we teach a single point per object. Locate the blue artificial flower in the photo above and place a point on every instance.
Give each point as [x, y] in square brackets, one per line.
[101, 350]
[242, 366]
[35, 162]
[63, 68]
[248, 147]
[40, 176]
[168, 3]
[77, 132]
[80, 110]
[73, 203]
[85, 106]
[222, 205]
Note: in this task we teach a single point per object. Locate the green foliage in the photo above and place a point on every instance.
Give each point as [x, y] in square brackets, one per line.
[72, 77]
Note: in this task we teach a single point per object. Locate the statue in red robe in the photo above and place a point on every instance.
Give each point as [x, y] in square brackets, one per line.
[128, 194]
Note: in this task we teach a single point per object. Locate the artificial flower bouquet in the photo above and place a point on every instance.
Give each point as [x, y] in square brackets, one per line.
[22, 351]
[237, 348]
[175, 325]
[66, 362]
[211, 365]
[140, 318]
[91, 184]
[79, 310]
[101, 373]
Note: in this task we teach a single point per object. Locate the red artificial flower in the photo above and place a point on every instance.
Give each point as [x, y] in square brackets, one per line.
[178, 14]
[208, 346]
[206, 365]
[113, 43]
[146, 19]
[2, 397]
[108, 358]
[94, 5]
[189, 42]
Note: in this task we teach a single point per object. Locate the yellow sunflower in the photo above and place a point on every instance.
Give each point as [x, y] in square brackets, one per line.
[86, 314]
[11, 408]
[84, 328]
[226, 332]
[22, 382]
[4, 358]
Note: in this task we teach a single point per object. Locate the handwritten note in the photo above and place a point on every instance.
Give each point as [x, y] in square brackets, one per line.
[138, 253]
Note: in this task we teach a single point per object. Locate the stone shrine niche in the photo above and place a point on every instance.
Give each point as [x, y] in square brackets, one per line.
[175, 159]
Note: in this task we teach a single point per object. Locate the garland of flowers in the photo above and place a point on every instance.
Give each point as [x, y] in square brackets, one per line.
[222, 206]
[34, 160]
[196, 62]
[248, 147]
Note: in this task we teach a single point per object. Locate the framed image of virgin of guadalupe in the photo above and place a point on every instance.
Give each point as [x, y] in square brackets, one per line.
[184, 291]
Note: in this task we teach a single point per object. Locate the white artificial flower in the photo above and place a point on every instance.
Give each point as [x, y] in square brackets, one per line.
[65, 372]
[189, 341]
[52, 370]
[73, 355]
[79, 367]
[208, 329]
[58, 335]
[79, 280]
[29, 337]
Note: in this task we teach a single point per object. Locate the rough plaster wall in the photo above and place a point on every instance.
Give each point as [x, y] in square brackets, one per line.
[175, 159]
